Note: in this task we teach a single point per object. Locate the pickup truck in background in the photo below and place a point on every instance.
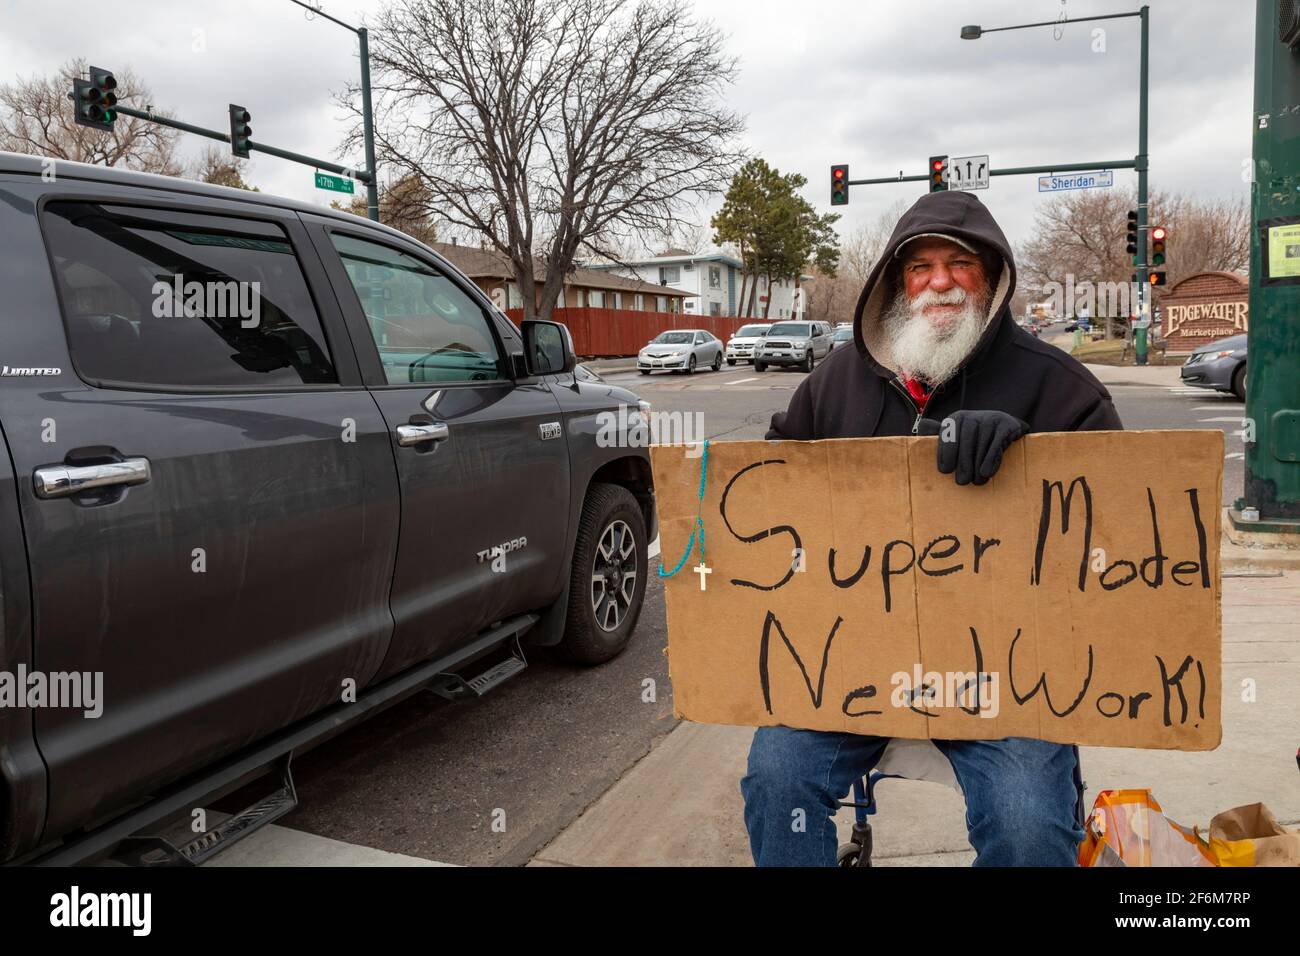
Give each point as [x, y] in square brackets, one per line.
[269, 468]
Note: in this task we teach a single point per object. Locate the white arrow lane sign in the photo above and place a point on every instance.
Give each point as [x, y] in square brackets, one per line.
[968, 172]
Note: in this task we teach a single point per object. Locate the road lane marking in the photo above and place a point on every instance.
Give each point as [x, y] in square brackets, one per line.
[753, 378]
[1236, 419]
[1235, 454]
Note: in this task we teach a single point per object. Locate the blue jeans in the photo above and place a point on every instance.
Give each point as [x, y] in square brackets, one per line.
[1020, 796]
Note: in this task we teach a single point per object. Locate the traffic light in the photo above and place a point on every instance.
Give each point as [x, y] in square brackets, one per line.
[1158, 236]
[240, 131]
[1132, 246]
[938, 173]
[94, 99]
[839, 185]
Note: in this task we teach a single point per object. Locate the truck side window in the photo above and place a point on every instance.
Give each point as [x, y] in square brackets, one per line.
[148, 302]
[426, 328]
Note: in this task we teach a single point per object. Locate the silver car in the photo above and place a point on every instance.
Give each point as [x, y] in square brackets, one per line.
[1220, 365]
[794, 343]
[740, 347]
[680, 350]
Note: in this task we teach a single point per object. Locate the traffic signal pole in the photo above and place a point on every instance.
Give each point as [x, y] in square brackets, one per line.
[95, 106]
[1145, 311]
[368, 126]
[362, 175]
[1139, 163]
[367, 110]
[1008, 171]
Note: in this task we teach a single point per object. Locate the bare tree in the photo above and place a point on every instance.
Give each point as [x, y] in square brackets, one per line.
[1083, 235]
[215, 165]
[833, 298]
[553, 126]
[36, 117]
[404, 204]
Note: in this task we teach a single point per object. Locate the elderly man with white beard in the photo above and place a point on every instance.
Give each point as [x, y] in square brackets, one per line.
[935, 342]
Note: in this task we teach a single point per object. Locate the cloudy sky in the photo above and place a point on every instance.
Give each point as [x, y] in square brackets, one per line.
[878, 85]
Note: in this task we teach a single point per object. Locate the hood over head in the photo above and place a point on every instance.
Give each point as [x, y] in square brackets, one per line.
[950, 213]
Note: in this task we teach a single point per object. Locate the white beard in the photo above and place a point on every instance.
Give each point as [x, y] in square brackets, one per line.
[923, 351]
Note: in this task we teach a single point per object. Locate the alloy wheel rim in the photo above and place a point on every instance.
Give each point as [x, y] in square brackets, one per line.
[613, 575]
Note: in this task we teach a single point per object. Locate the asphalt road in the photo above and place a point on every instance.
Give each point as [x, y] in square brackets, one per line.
[493, 781]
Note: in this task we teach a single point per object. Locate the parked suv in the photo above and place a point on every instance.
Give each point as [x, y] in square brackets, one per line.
[269, 468]
[741, 345]
[794, 343]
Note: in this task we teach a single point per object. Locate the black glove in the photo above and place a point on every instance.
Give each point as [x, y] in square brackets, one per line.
[980, 438]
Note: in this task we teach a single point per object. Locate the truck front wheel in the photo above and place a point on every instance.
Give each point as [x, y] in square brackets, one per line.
[608, 579]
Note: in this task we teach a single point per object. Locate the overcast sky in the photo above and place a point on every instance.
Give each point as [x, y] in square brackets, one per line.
[878, 85]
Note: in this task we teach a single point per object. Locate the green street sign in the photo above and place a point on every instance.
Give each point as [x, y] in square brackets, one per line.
[336, 183]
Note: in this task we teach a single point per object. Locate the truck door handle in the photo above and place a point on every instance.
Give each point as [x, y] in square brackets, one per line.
[60, 481]
[408, 435]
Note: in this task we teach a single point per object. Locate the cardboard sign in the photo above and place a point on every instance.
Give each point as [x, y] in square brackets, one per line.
[852, 587]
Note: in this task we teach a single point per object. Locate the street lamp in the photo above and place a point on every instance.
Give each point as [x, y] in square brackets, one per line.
[974, 32]
[367, 113]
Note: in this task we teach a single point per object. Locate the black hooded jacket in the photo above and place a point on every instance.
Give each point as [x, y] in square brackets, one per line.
[852, 395]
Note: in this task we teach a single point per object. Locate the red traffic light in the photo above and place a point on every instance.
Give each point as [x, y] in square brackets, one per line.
[839, 184]
[936, 164]
[1158, 233]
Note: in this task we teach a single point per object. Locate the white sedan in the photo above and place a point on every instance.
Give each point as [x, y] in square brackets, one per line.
[680, 350]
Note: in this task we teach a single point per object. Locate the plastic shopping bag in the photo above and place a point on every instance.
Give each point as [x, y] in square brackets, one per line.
[1128, 828]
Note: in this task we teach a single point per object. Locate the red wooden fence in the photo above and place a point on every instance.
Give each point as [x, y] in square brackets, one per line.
[610, 333]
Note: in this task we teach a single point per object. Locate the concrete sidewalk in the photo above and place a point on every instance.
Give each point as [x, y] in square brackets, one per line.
[681, 806]
[1151, 376]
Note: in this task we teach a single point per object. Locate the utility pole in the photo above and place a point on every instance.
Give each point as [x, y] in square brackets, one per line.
[367, 110]
[1145, 309]
[1271, 491]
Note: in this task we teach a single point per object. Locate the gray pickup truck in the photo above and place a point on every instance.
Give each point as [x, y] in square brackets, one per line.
[268, 468]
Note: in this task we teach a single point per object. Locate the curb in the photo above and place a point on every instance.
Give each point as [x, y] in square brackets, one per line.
[1242, 551]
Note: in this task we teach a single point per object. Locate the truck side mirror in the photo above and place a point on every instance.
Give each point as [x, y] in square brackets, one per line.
[548, 348]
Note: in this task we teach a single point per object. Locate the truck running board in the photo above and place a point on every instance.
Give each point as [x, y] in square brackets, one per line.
[457, 687]
[271, 754]
[160, 851]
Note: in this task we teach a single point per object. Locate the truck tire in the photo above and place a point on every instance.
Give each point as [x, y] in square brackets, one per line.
[611, 535]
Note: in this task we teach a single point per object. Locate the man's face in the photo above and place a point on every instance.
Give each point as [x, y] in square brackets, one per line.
[939, 278]
[938, 315]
